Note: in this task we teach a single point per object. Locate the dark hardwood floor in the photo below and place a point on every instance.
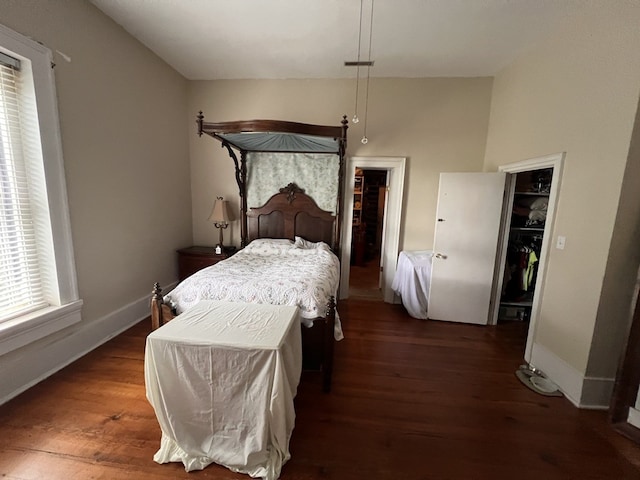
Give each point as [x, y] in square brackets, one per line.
[411, 399]
[364, 280]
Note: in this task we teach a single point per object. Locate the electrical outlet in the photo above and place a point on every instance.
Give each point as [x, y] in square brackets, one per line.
[560, 242]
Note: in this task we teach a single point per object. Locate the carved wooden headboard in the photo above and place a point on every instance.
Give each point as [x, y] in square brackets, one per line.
[291, 213]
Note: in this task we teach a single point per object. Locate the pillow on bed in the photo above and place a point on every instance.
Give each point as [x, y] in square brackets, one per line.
[271, 241]
[308, 245]
[269, 246]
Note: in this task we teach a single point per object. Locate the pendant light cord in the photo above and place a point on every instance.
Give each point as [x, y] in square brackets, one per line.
[366, 104]
[355, 114]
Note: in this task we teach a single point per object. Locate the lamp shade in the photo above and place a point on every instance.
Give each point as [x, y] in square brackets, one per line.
[221, 212]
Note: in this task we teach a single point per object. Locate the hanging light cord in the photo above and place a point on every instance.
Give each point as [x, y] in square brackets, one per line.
[366, 101]
[355, 113]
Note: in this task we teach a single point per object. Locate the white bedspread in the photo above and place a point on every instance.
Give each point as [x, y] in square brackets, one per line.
[412, 280]
[267, 271]
[222, 378]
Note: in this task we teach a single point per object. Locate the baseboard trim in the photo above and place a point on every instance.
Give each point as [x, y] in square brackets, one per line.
[20, 372]
[634, 417]
[584, 392]
[597, 393]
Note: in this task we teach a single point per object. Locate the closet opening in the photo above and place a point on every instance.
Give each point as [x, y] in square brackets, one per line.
[530, 194]
[526, 238]
[367, 232]
[526, 234]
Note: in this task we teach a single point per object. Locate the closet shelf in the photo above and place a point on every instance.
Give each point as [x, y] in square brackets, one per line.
[533, 194]
[528, 229]
[513, 303]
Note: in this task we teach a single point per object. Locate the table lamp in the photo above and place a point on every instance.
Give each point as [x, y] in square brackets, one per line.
[220, 217]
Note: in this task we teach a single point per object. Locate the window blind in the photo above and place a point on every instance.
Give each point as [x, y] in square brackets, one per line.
[20, 279]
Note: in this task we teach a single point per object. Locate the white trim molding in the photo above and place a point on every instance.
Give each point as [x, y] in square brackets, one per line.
[23, 369]
[634, 417]
[27, 329]
[57, 256]
[555, 161]
[395, 167]
[584, 392]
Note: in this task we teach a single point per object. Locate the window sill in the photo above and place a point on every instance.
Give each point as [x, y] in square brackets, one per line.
[21, 331]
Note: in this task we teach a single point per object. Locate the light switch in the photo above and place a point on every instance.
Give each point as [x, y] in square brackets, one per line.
[560, 242]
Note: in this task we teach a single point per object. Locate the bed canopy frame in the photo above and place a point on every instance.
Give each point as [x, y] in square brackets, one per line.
[288, 213]
[275, 136]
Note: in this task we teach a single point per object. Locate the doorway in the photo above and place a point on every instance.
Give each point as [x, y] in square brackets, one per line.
[389, 248]
[369, 200]
[529, 181]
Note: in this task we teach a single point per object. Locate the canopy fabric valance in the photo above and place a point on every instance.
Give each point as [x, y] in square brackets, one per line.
[277, 136]
[281, 142]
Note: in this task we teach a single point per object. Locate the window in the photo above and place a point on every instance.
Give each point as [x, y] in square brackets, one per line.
[38, 289]
[20, 282]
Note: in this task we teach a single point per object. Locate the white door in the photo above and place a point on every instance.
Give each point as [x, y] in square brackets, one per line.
[467, 229]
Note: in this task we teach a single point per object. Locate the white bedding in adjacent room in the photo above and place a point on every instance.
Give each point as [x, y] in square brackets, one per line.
[268, 271]
[412, 280]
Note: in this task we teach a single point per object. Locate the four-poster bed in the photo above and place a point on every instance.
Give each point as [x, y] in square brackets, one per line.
[306, 162]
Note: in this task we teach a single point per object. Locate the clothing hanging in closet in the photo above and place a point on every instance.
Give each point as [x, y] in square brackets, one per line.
[520, 270]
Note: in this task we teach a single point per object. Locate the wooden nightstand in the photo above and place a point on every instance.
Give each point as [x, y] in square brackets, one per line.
[192, 259]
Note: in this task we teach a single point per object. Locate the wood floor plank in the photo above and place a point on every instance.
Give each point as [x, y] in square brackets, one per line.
[411, 399]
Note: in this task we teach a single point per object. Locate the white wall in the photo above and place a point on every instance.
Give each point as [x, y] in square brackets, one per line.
[439, 124]
[124, 138]
[578, 92]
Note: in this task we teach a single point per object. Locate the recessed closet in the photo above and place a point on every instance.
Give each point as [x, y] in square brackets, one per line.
[526, 232]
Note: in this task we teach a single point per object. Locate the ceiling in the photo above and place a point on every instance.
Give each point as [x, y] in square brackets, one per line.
[258, 39]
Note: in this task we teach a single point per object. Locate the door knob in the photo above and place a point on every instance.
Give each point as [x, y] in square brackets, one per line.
[441, 219]
[439, 255]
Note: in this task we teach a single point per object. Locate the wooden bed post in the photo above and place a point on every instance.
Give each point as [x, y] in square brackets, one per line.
[241, 180]
[327, 345]
[199, 122]
[156, 307]
[161, 312]
[337, 245]
[243, 198]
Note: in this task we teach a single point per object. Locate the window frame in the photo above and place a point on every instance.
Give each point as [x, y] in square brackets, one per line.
[60, 272]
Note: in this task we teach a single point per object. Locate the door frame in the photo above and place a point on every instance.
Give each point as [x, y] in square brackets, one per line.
[555, 161]
[395, 167]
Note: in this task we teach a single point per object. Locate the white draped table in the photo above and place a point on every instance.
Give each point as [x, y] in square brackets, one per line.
[412, 281]
[221, 378]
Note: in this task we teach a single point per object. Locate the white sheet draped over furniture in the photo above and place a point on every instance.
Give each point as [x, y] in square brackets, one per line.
[221, 378]
[412, 279]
